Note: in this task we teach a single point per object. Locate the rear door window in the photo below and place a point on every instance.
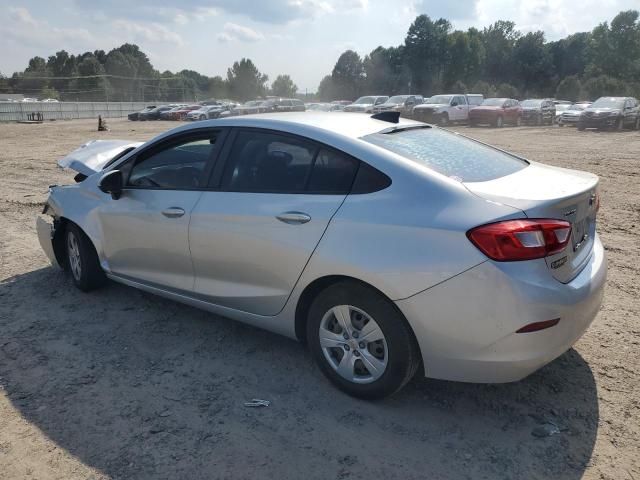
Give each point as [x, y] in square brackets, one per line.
[448, 153]
[333, 172]
[268, 162]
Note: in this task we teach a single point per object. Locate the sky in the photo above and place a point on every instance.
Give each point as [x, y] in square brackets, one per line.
[302, 38]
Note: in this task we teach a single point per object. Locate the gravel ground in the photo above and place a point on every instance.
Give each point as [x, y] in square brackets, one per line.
[122, 384]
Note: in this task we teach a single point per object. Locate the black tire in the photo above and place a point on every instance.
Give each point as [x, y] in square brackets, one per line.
[403, 354]
[580, 127]
[636, 125]
[443, 121]
[90, 275]
[202, 117]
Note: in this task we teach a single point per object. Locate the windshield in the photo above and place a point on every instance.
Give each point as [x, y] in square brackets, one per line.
[531, 103]
[439, 99]
[494, 102]
[364, 100]
[607, 102]
[398, 99]
[447, 153]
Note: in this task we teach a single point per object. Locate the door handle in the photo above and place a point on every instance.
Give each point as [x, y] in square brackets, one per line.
[173, 212]
[293, 218]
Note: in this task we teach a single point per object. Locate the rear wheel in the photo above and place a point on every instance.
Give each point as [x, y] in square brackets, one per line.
[360, 341]
[82, 260]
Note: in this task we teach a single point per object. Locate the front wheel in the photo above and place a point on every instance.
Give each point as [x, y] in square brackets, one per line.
[82, 260]
[444, 120]
[360, 341]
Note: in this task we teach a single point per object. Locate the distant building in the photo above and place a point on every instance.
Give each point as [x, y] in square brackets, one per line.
[11, 97]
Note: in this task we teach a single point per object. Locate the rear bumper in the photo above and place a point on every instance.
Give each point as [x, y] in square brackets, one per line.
[45, 229]
[466, 326]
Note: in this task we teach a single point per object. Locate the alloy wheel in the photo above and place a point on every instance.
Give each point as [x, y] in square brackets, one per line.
[73, 253]
[353, 344]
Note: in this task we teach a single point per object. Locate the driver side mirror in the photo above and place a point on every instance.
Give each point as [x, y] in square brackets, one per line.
[111, 182]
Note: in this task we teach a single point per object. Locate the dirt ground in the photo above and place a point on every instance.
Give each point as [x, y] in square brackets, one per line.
[121, 384]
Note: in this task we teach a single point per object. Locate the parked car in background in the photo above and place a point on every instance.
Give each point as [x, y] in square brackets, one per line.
[282, 105]
[169, 114]
[560, 108]
[562, 102]
[49, 100]
[366, 104]
[536, 111]
[474, 99]
[252, 106]
[389, 248]
[611, 112]
[443, 109]
[572, 114]
[181, 113]
[154, 113]
[324, 107]
[496, 112]
[134, 116]
[399, 103]
[208, 112]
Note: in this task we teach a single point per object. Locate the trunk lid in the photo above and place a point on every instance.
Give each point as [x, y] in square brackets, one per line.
[542, 191]
[94, 155]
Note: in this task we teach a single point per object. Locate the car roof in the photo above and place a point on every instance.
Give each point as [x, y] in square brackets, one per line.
[353, 125]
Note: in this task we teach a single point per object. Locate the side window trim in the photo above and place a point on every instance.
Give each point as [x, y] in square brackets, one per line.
[168, 143]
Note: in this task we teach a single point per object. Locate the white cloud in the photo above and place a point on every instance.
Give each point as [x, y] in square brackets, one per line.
[233, 31]
[151, 32]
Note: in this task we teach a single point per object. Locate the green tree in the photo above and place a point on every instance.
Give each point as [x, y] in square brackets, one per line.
[426, 52]
[283, 86]
[94, 86]
[484, 88]
[348, 75]
[385, 70]
[532, 62]
[569, 88]
[506, 90]
[218, 88]
[326, 89]
[122, 68]
[245, 80]
[499, 41]
[604, 85]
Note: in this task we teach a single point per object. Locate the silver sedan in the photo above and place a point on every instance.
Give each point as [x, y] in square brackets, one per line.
[385, 244]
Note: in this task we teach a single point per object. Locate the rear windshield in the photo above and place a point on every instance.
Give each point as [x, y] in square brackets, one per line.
[449, 154]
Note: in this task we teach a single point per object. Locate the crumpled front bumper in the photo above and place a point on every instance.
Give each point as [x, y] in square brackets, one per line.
[46, 230]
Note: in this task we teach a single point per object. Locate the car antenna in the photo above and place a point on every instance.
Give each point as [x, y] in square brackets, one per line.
[391, 117]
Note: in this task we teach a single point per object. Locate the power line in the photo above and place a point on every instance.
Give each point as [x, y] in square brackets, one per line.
[106, 75]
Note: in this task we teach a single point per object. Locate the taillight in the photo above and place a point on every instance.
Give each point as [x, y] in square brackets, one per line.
[514, 240]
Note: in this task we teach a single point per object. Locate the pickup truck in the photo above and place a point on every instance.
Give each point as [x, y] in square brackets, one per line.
[446, 109]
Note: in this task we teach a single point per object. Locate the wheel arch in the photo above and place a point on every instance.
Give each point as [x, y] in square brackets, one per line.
[61, 225]
[318, 285]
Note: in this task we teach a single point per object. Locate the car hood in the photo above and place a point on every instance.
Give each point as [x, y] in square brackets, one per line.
[94, 155]
[487, 108]
[431, 105]
[602, 110]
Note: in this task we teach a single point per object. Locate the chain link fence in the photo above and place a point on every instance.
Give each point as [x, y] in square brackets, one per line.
[22, 111]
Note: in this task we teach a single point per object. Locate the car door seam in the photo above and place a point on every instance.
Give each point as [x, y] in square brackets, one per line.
[311, 256]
